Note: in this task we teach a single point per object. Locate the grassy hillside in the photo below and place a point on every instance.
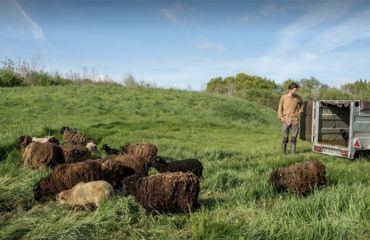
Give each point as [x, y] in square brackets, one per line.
[237, 141]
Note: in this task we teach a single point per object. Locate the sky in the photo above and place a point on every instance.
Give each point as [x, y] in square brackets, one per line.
[184, 44]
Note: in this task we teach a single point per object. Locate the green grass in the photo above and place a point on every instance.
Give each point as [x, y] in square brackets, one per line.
[237, 141]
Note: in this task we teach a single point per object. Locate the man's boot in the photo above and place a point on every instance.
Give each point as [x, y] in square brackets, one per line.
[292, 148]
[284, 148]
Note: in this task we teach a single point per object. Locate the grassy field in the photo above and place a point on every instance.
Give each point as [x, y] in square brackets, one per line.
[237, 141]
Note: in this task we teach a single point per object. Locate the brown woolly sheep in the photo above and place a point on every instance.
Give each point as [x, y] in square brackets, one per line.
[73, 137]
[164, 191]
[65, 176]
[75, 153]
[42, 155]
[145, 150]
[133, 161]
[300, 177]
[84, 194]
[115, 171]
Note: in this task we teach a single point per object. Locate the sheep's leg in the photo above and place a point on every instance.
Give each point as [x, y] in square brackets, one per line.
[184, 206]
[147, 211]
[196, 205]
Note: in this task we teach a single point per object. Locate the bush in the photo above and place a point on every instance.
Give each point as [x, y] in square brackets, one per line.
[241, 82]
[265, 97]
[335, 94]
[10, 79]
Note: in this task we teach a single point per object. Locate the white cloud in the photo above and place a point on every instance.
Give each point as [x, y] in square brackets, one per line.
[316, 15]
[344, 33]
[178, 14]
[330, 26]
[208, 45]
[36, 30]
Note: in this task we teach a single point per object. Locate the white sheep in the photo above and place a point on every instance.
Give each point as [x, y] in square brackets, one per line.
[84, 194]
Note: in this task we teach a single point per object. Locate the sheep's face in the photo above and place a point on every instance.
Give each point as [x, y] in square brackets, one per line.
[105, 147]
[130, 184]
[74, 154]
[53, 140]
[157, 161]
[37, 192]
[61, 198]
[24, 141]
[124, 148]
[277, 176]
[63, 129]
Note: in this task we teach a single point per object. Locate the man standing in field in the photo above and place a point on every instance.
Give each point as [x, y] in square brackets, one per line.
[290, 107]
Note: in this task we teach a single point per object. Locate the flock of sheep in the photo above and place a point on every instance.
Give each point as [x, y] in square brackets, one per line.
[77, 179]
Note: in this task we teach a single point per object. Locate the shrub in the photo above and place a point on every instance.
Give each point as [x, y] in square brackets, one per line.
[10, 79]
[265, 97]
[241, 82]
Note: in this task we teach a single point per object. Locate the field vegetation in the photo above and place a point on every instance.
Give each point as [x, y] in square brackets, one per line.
[238, 142]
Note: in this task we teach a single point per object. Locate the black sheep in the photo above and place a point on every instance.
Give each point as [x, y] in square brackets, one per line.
[192, 165]
[109, 151]
[345, 135]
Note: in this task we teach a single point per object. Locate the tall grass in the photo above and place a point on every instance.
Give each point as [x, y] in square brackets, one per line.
[237, 141]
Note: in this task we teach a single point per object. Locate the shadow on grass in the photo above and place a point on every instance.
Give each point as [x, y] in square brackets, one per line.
[210, 203]
[5, 149]
[109, 125]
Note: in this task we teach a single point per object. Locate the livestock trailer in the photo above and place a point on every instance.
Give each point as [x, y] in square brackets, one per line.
[338, 128]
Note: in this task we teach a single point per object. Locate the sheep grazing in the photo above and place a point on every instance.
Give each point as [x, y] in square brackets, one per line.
[109, 151]
[23, 141]
[192, 165]
[300, 177]
[132, 161]
[164, 191]
[75, 153]
[42, 155]
[145, 150]
[73, 137]
[65, 176]
[85, 194]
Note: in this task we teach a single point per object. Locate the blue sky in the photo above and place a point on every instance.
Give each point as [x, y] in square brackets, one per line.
[183, 44]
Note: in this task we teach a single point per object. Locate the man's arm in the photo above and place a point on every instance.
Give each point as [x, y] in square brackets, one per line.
[301, 109]
[280, 108]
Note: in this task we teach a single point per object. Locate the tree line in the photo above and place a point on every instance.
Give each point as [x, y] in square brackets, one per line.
[267, 92]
